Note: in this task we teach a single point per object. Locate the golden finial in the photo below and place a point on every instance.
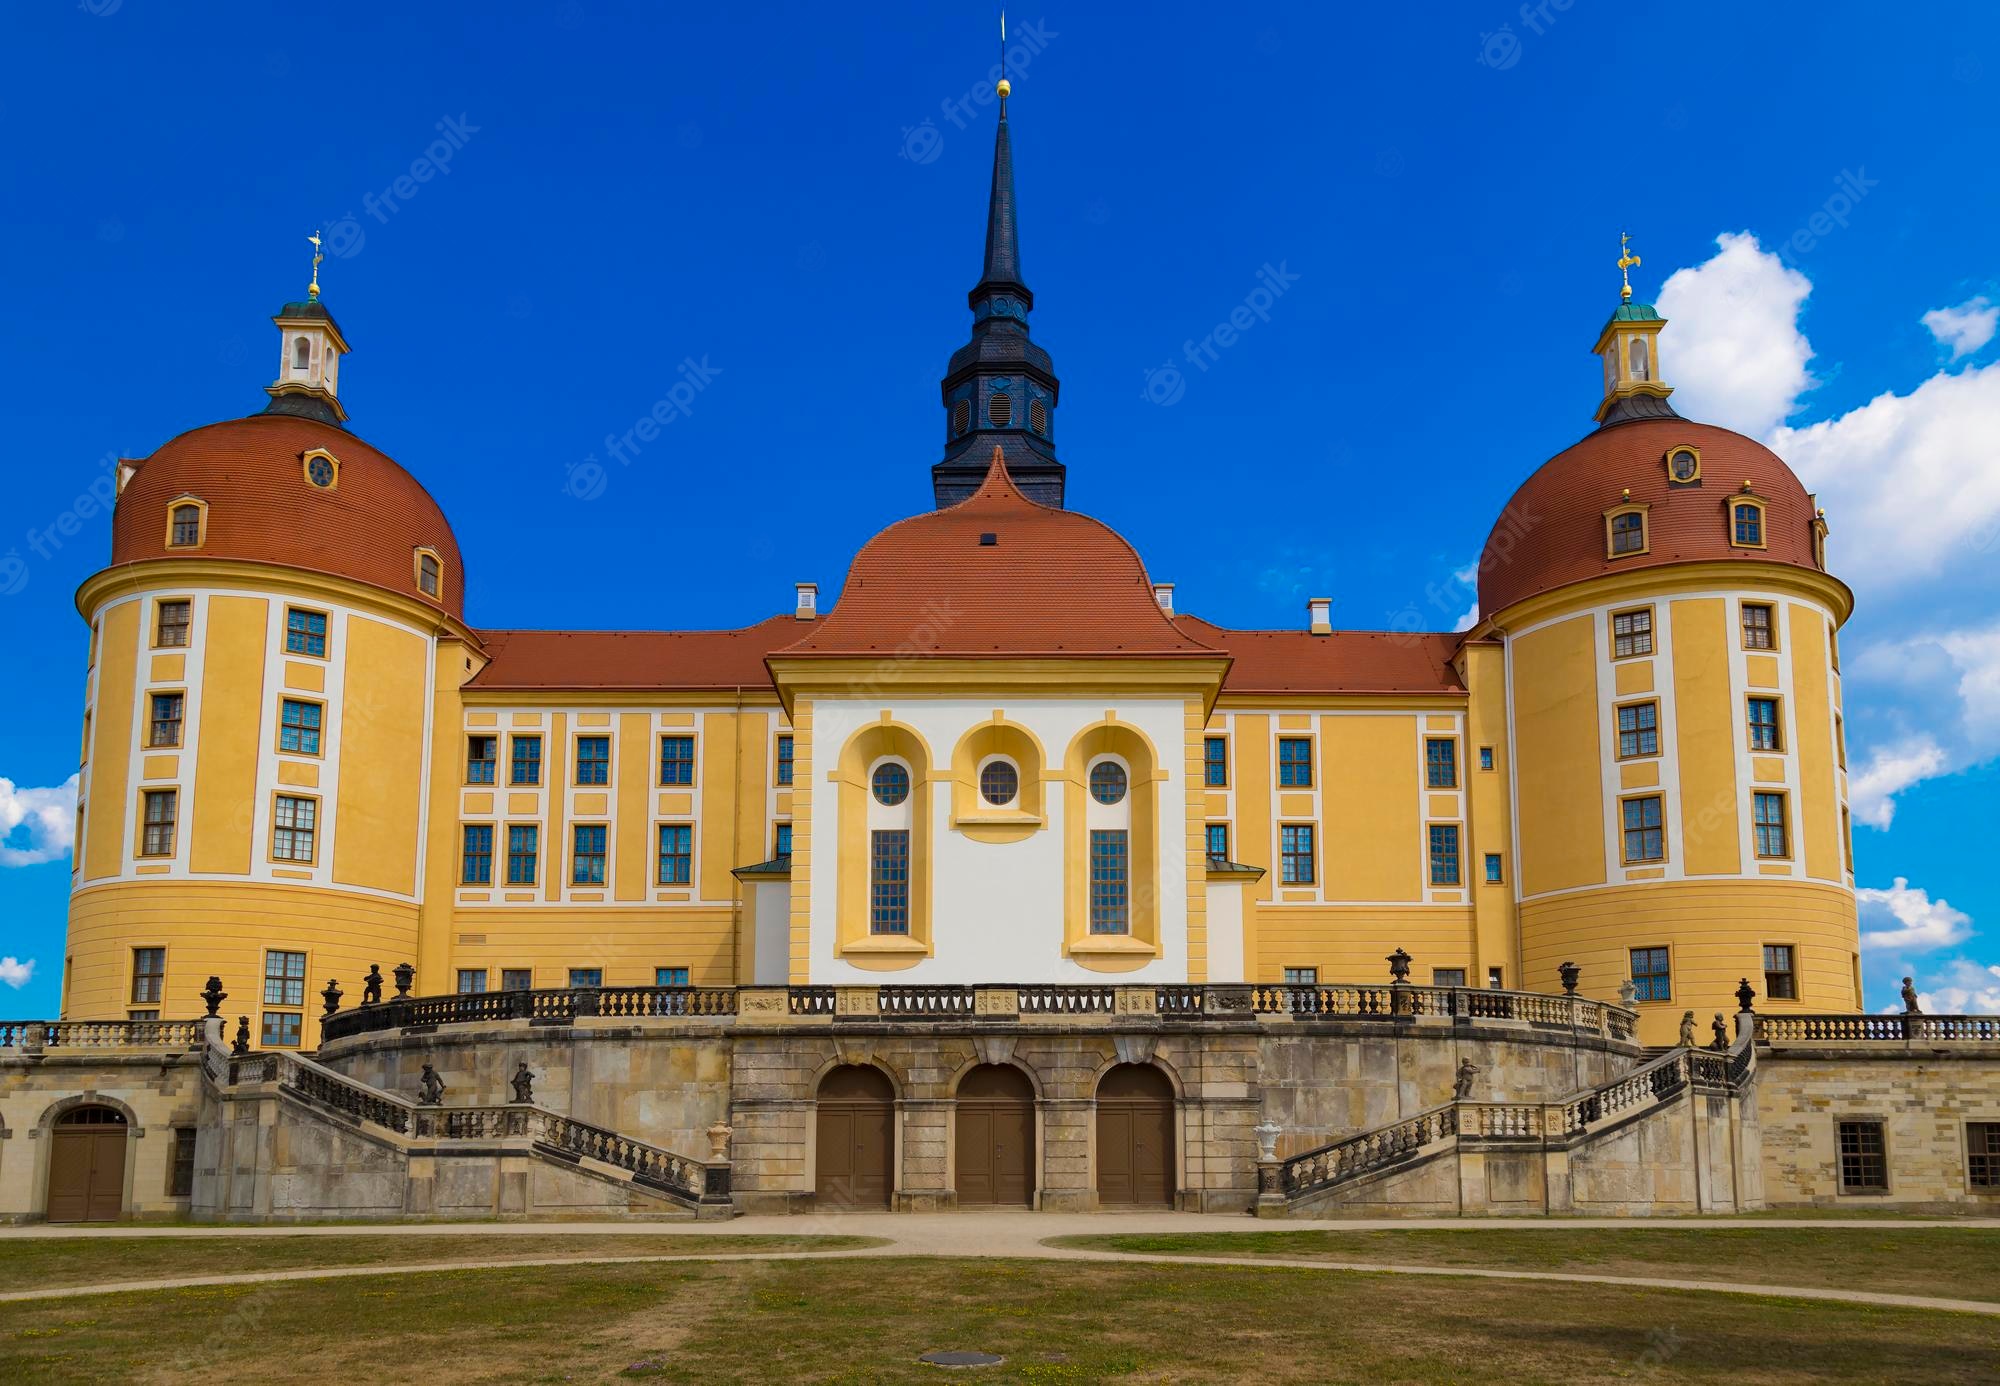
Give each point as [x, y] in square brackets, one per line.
[1004, 88]
[312, 290]
[1626, 259]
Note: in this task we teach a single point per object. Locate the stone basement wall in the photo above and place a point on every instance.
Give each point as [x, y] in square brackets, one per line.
[156, 1092]
[1923, 1097]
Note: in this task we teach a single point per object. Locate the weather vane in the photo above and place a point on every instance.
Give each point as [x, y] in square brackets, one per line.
[1003, 86]
[1626, 259]
[312, 291]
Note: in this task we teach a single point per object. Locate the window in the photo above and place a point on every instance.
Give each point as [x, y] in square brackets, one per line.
[1441, 763]
[890, 784]
[305, 632]
[586, 976]
[1301, 976]
[301, 355]
[670, 976]
[1485, 757]
[162, 807]
[676, 760]
[1840, 740]
[1645, 837]
[1746, 529]
[294, 826]
[1493, 876]
[1763, 720]
[1110, 881]
[1038, 416]
[784, 760]
[527, 762]
[523, 845]
[321, 470]
[889, 876]
[477, 858]
[1108, 782]
[299, 726]
[471, 981]
[1864, 1163]
[281, 1029]
[1768, 816]
[781, 840]
[1215, 762]
[676, 854]
[1447, 976]
[961, 416]
[1638, 730]
[1780, 982]
[166, 721]
[1295, 854]
[184, 529]
[587, 855]
[429, 574]
[171, 623]
[1444, 854]
[1295, 762]
[1756, 626]
[593, 760]
[1628, 533]
[1496, 979]
[999, 782]
[517, 979]
[1640, 371]
[1684, 464]
[482, 757]
[1982, 1154]
[1218, 843]
[149, 970]
[180, 1181]
[1000, 409]
[1652, 980]
[284, 979]
[1631, 633]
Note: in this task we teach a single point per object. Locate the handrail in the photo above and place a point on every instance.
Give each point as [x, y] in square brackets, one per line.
[1365, 1152]
[546, 1004]
[1877, 1029]
[101, 1034]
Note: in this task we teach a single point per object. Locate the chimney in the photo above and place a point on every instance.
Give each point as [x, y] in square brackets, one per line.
[808, 601]
[1320, 610]
[1163, 593]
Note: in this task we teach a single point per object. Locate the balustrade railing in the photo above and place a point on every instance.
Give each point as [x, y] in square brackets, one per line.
[924, 1003]
[101, 1034]
[1878, 1029]
[810, 1001]
[1062, 1000]
[1180, 1002]
[673, 1174]
[1354, 1156]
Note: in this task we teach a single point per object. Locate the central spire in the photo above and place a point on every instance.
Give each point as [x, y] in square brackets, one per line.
[1000, 389]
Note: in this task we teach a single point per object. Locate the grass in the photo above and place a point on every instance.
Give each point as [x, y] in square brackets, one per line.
[1953, 1263]
[1053, 1321]
[50, 1262]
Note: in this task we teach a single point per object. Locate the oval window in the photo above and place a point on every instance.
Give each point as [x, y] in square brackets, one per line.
[961, 416]
[319, 471]
[1000, 410]
[891, 784]
[1684, 465]
[1107, 782]
[1038, 416]
[999, 782]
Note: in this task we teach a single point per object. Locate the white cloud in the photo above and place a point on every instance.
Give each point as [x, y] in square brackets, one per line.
[16, 974]
[1735, 355]
[36, 825]
[1469, 619]
[1872, 790]
[1964, 988]
[1965, 328]
[1905, 917]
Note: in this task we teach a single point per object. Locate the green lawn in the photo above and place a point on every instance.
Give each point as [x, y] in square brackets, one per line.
[823, 1321]
[1954, 1262]
[48, 1262]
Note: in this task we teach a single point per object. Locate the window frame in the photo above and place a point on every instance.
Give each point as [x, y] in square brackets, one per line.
[661, 977]
[1488, 759]
[296, 1029]
[781, 838]
[693, 756]
[1790, 971]
[1452, 857]
[588, 972]
[1748, 500]
[514, 760]
[533, 855]
[990, 766]
[490, 761]
[312, 830]
[661, 855]
[1652, 980]
[1209, 831]
[602, 856]
[1440, 977]
[1494, 868]
[1109, 901]
[784, 764]
[1652, 631]
[1783, 825]
[461, 975]
[305, 466]
[285, 979]
[577, 762]
[1311, 771]
[1625, 858]
[1776, 726]
[159, 979]
[1986, 1181]
[324, 635]
[1878, 1156]
[417, 557]
[1619, 733]
[1211, 763]
[1450, 744]
[146, 823]
[466, 854]
[181, 1161]
[1667, 462]
[154, 721]
[508, 974]
[186, 628]
[1289, 857]
[318, 751]
[1629, 510]
[889, 883]
[1299, 976]
[200, 524]
[1770, 629]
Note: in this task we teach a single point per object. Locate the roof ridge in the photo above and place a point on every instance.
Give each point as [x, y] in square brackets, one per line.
[703, 630]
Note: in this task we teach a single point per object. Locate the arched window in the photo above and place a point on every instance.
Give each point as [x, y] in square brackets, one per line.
[302, 355]
[184, 525]
[1746, 524]
[1628, 533]
[1640, 370]
[961, 417]
[889, 819]
[1109, 824]
[430, 573]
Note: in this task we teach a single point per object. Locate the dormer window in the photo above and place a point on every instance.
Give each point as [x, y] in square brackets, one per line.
[186, 521]
[1625, 531]
[430, 573]
[322, 469]
[1746, 521]
[1684, 465]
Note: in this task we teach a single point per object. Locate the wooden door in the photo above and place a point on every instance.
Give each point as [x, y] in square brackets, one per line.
[855, 1139]
[1135, 1138]
[87, 1167]
[994, 1138]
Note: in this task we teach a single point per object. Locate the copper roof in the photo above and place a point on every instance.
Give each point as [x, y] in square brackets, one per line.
[1552, 532]
[632, 659]
[1345, 661]
[251, 473]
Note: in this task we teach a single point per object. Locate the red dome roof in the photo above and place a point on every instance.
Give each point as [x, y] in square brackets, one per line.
[261, 508]
[1552, 532]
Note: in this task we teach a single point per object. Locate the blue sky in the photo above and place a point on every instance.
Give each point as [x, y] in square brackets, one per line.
[793, 196]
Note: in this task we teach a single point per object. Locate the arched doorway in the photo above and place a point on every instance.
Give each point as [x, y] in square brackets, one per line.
[855, 1139]
[995, 1137]
[87, 1166]
[1135, 1138]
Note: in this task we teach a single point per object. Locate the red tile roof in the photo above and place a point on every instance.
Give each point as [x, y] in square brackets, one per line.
[1346, 661]
[632, 659]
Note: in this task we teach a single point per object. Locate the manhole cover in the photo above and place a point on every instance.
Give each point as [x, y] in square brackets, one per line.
[961, 1359]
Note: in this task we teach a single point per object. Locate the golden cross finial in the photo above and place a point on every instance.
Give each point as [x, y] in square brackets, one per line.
[1626, 259]
[312, 291]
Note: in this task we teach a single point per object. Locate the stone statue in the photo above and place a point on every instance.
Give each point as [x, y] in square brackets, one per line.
[1461, 1089]
[1687, 1029]
[331, 996]
[1627, 990]
[213, 996]
[1399, 966]
[405, 974]
[430, 1088]
[1746, 995]
[1721, 1031]
[371, 986]
[524, 1083]
[1910, 1006]
[242, 1044]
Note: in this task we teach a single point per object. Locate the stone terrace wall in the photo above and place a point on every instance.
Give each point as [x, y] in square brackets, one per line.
[156, 1091]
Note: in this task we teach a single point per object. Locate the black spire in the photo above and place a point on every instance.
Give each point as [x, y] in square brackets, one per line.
[1000, 388]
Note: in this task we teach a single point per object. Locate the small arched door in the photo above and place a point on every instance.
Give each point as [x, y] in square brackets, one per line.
[995, 1137]
[1135, 1138]
[87, 1166]
[855, 1140]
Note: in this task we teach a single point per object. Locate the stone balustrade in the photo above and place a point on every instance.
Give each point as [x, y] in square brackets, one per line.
[1368, 1152]
[40, 1036]
[1878, 1029]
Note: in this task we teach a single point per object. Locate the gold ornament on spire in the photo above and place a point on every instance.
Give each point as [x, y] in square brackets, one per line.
[1004, 88]
[312, 290]
[1626, 259]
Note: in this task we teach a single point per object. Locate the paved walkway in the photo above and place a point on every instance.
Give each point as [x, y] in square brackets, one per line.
[1020, 1235]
